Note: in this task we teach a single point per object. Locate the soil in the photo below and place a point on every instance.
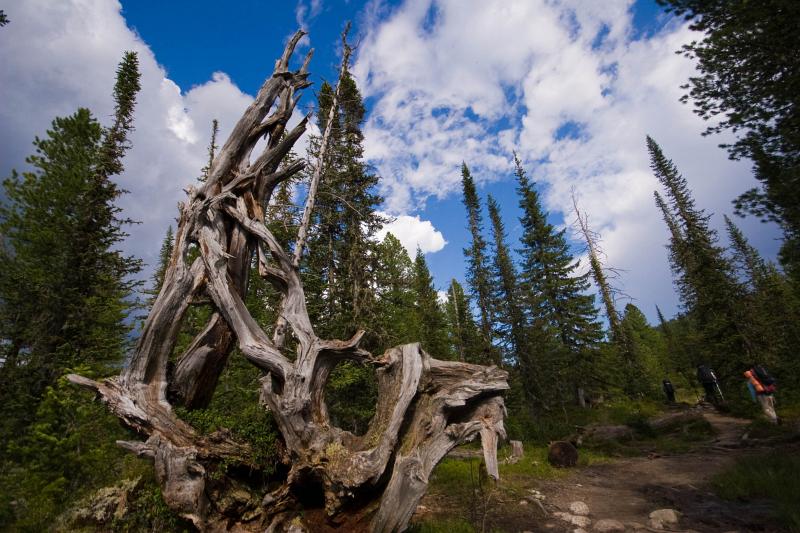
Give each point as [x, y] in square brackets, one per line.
[629, 489]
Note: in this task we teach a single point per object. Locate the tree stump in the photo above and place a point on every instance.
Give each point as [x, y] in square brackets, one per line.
[334, 479]
[562, 454]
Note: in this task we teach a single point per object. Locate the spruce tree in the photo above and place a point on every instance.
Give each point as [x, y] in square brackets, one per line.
[769, 305]
[622, 338]
[478, 273]
[65, 295]
[508, 313]
[340, 265]
[431, 317]
[708, 288]
[164, 255]
[398, 322]
[465, 336]
[562, 317]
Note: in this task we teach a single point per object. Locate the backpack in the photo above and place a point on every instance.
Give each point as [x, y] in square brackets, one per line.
[706, 375]
[763, 376]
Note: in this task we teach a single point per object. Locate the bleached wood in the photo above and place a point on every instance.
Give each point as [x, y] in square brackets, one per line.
[372, 482]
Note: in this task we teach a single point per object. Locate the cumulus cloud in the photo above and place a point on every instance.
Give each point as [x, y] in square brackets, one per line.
[414, 233]
[566, 84]
[58, 56]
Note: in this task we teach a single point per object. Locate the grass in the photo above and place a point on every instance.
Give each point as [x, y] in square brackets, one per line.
[444, 525]
[774, 477]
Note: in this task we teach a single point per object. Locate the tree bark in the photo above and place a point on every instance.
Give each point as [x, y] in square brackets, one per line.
[364, 483]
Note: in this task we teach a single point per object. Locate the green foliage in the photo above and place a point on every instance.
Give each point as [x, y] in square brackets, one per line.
[705, 278]
[774, 477]
[236, 407]
[509, 317]
[450, 525]
[465, 337]
[748, 84]
[340, 267]
[562, 318]
[351, 394]
[64, 296]
[398, 321]
[478, 274]
[67, 452]
[430, 315]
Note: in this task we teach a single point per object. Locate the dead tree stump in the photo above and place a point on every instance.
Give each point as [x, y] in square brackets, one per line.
[562, 454]
[365, 483]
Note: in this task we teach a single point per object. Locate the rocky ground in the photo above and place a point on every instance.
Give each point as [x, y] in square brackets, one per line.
[652, 492]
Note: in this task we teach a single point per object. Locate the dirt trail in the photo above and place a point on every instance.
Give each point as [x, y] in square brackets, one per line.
[628, 490]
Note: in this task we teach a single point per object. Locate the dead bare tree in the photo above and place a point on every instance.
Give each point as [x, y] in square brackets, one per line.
[334, 480]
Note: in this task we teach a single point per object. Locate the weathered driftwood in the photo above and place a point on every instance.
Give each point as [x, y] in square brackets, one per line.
[334, 479]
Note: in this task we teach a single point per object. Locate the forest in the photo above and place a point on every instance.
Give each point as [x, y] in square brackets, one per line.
[289, 367]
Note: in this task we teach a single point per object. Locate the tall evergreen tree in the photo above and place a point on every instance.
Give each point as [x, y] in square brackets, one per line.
[65, 293]
[340, 268]
[465, 336]
[562, 317]
[509, 316]
[769, 306]
[622, 338]
[431, 317]
[706, 282]
[748, 81]
[398, 322]
[478, 273]
[64, 289]
[341, 260]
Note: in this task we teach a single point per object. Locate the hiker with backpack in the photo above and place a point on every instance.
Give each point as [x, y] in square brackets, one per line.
[762, 387]
[669, 390]
[708, 379]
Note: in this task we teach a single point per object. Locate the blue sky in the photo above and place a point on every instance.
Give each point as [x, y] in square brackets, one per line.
[572, 86]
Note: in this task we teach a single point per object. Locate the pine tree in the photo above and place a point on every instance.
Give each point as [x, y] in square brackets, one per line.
[65, 292]
[769, 306]
[431, 317]
[478, 274]
[398, 322]
[340, 264]
[465, 336]
[164, 255]
[706, 282]
[562, 317]
[508, 313]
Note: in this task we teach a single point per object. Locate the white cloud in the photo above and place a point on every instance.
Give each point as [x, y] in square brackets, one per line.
[57, 56]
[566, 85]
[413, 233]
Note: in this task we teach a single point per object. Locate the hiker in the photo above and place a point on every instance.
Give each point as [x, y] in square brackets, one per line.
[762, 388]
[708, 380]
[669, 390]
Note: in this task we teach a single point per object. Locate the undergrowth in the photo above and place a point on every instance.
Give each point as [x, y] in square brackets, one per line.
[774, 476]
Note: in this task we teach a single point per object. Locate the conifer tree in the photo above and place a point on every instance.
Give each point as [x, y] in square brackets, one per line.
[478, 274]
[706, 282]
[340, 264]
[64, 297]
[431, 317]
[769, 306]
[465, 336]
[562, 317]
[508, 313]
[622, 338]
[397, 319]
[64, 289]
[163, 260]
